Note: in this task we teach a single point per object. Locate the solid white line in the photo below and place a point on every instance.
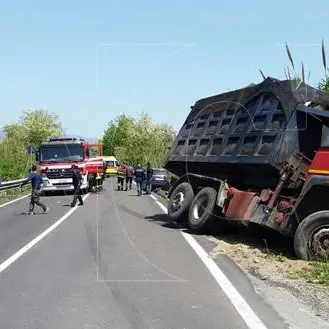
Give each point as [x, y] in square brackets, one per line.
[32, 243]
[12, 201]
[242, 307]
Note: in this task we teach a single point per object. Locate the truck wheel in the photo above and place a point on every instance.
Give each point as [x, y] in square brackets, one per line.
[201, 210]
[311, 239]
[180, 201]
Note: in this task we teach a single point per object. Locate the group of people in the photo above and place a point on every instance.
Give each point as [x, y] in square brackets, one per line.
[126, 174]
[143, 178]
[36, 185]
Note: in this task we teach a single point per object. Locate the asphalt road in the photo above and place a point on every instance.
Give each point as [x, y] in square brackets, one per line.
[114, 263]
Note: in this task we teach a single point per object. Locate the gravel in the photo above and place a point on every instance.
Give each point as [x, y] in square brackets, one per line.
[277, 275]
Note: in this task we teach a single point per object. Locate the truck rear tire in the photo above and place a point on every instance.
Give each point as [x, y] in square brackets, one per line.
[311, 240]
[202, 208]
[180, 201]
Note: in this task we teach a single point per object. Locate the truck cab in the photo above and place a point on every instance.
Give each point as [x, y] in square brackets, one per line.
[56, 157]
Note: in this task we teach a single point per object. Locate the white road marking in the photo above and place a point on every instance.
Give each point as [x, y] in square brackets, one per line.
[161, 205]
[32, 243]
[245, 311]
[12, 201]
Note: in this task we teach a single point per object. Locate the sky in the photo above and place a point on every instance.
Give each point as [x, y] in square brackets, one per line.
[89, 61]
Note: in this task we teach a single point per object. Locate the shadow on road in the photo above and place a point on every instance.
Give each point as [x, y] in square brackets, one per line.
[164, 219]
[265, 240]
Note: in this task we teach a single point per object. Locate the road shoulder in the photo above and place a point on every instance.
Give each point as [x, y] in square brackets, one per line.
[272, 303]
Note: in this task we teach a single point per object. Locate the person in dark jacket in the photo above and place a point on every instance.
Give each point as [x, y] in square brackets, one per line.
[139, 177]
[149, 175]
[36, 183]
[104, 171]
[129, 176]
[77, 180]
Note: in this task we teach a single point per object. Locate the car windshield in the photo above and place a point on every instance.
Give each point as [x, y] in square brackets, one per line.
[61, 153]
[110, 163]
[160, 172]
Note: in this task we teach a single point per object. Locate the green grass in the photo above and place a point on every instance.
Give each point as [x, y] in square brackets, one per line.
[6, 196]
[317, 273]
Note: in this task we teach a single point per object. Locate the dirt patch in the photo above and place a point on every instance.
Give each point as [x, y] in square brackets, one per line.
[275, 265]
[258, 257]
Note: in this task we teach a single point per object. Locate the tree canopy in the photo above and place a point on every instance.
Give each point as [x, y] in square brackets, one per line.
[138, 140]
[31, 130]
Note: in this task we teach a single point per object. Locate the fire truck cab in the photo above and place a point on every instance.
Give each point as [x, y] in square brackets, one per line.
[56, 157]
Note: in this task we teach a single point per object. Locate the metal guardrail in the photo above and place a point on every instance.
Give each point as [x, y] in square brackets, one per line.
[5, 186]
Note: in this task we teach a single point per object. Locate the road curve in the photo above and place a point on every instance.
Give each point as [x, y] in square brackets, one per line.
[112, 264]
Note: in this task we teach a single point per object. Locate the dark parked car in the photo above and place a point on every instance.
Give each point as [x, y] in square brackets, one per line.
[160, 179]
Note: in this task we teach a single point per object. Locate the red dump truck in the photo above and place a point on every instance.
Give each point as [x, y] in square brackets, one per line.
[260, 155]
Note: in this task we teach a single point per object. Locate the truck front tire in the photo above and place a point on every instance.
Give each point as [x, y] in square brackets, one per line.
[202, 208]
[180, 201]
[311, 240]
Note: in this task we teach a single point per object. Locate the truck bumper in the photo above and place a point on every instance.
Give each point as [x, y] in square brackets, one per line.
[49, 187]
[53, 188]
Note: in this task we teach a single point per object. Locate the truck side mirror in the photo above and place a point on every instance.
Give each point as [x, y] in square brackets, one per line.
[87, 153]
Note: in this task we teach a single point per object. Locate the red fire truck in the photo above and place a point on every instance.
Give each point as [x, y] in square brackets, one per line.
[56, 157]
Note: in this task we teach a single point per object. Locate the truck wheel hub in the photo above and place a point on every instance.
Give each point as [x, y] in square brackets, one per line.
[320, 241]
[178, 200]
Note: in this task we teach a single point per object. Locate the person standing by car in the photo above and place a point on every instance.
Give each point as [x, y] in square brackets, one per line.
[36, 183]
[139, 177]
[77, 180]
[149, 175]
[129, 176]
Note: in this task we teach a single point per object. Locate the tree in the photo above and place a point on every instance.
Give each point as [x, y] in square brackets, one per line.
[31, 130]
[14, 159]
[39, 125]
[34, 127]
[139, 141]
[116, 133]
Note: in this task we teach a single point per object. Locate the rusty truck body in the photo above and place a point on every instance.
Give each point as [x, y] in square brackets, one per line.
[260, 155]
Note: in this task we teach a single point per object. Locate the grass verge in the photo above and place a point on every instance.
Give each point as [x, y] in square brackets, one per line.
[318, 273]
[9, 195]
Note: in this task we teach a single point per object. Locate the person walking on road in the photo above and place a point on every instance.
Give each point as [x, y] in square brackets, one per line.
[36, 183]
[129, 176]
[77, 180]
[149, 176]
[139, 177]
[121, 177]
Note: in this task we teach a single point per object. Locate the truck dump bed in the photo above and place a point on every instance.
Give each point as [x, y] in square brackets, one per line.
[247, 135]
